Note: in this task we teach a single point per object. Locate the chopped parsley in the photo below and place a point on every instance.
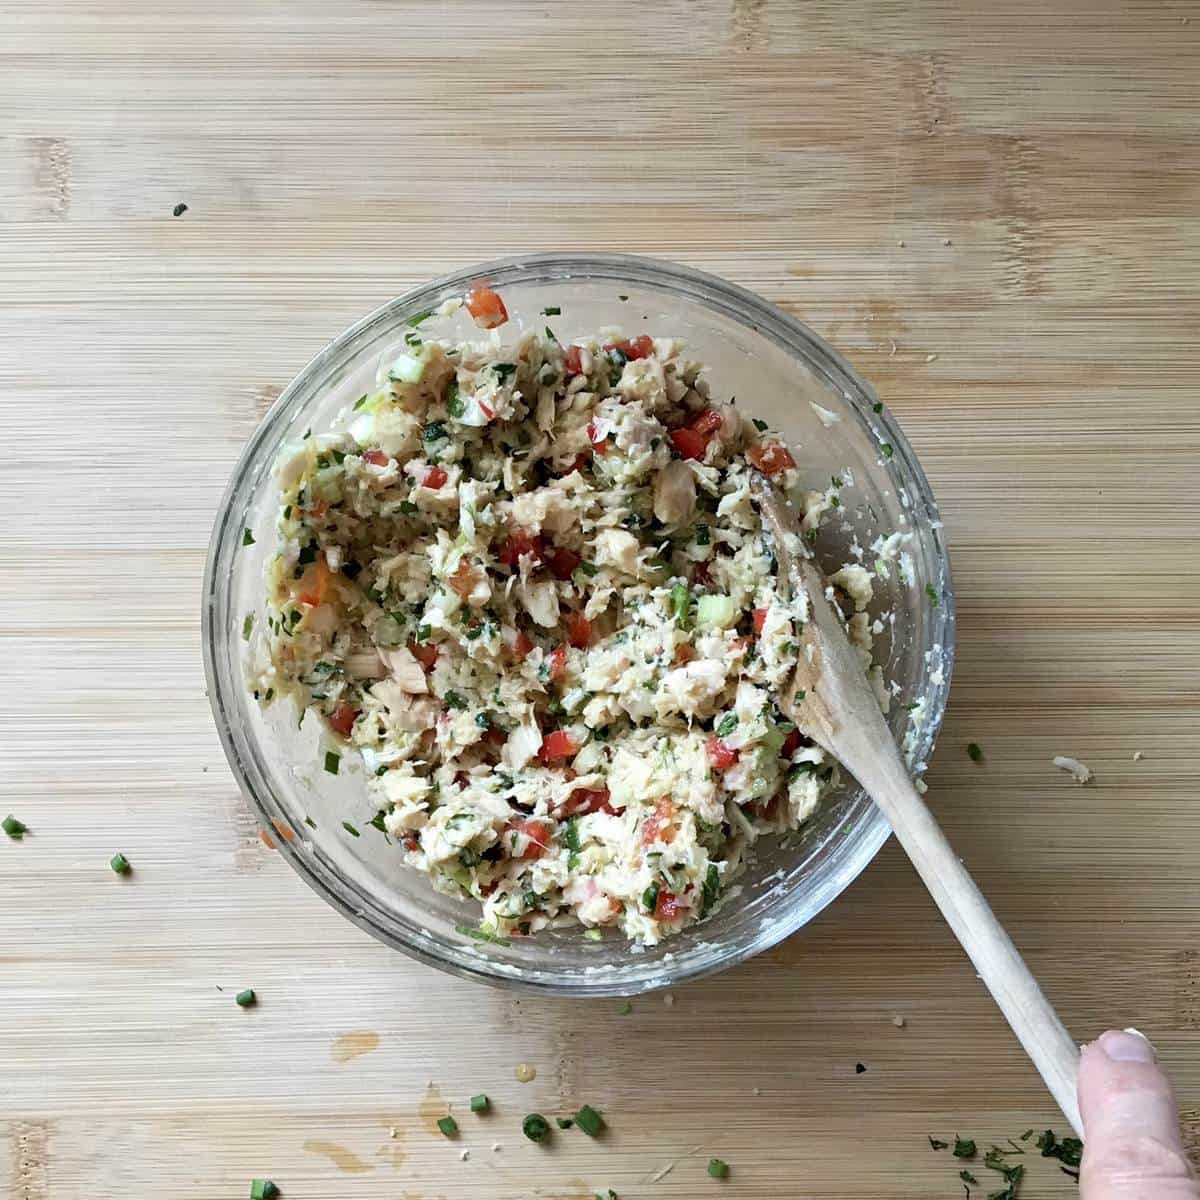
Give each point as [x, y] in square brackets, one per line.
[14, 828]
[727, 724]
[711, 890]
[590, 1121]
[625, 1010]
[718, 1168]
[761, 426]
[247, 537]
[552, 310]
[885, 448]
[435, 431]
[1069, 1151]
[263, 1189]
[877, 407]
[419, 318]
[333, 760]
[454, 700]
[480, 1103]
[504, 370]
[179, 209]
[350, 829]
[120, 864]
[963, 1147]
[975, 754]
[937, 1144]
[967, 1177]
[931, 592]
[455, 405]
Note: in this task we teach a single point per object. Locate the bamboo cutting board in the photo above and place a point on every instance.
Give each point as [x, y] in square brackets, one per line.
[993, 214]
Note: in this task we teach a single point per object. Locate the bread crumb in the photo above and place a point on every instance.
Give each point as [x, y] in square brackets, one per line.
[1138, 756]
[465, 1155]
[669, 1000]
[1079, 772]
[945, 241]
[900, 244]
[495, 1147]
[898, 1021]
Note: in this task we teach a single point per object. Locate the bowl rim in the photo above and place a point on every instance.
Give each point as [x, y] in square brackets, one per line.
[744, 307]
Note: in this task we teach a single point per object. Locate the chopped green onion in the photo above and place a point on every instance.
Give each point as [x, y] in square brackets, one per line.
[931, 592]
[408, 508]
[877, 407]
[455, 404]
[448, 1126]
[417, 318]
[480, 1103]
[885, 449]
[963, 1147]
[504, 370]
[535, 1127]
[565, 1122]
[454, 700]
[761, 426]
[681, 600]
[727, 724]
[332, 761]
[552, 310]
[975, 752]
[718, 1168]
[120, 864]
[588, 568]
[263, 1189]
[247, 537]
[14, 828]
[550, 334]
[435, 431]
[571, 835]
[246, 998]
[247, 626]
[590, 1121]
[482, 935]
[650, 897]
[350, 829]
[711, 889]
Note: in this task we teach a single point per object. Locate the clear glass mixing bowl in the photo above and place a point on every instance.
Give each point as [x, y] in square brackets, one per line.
[778, 370]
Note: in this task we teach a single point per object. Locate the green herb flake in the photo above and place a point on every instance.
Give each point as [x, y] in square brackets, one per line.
[419, 318]
[975, 754]
[625, 1010]
[535, 1127]
[351, 829]
[455, 405]
[263, 1189]
[681, 600]
[247, 626]
[622, 298]
[550, 334]
[590, 1121]
[408, 508]
[179, 209]
[571, 835]
[931, 592]
[482, 935]
[761, 426]
[589, 569]
[565, 1122]
[877, 407]
[333, 760]
[361, 401]
[552, 310]
[480, 1103]
[727, 725]
[14, 828]
[120, 864]
[504, 370]
[967, 1177]
[454, 700]
[246, 998]
[885, 448]
[963, 1147]
[650, 898]
[718, 1168]
[247, 537]
[448, 1126]
[435, 431]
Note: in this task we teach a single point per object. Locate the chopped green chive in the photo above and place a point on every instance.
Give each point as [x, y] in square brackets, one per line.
[350, 829]
[247, 537]
[711, 890]
[14, 828]
[247, 626]
[975, 754]
[332, 761]
[120, 864]
[718, 1168]
[963, 1147]
[480, 1103]
[761, 426]
[408, 508]
[571, 835]
[448, 1126]
[727, 724]
[455, 404]
[504, 370]
[590, 1121]
[931, 592]
[361, 401]
[482, 935]
[552, 310]
[550, 334]
[263, 1189]
[246, 998]
[885, 449]
[650, 898]
[535, 1127]
[681, 600]
[417, 318]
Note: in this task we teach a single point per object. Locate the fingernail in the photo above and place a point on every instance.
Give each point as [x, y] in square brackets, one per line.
[1129, 1046]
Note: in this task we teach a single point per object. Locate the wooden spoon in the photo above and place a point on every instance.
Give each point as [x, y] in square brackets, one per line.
[830, 698]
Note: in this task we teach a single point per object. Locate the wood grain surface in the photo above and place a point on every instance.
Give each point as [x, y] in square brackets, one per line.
[993, 210]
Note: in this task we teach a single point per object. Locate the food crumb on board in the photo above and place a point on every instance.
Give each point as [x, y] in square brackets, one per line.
[859, 1069]
[758, 1091]
[945, 241]
[393, 1132]
[900, 243]
[898, 1021]
[495, 1147]
[1078, 771]
[931, 358]
[669, 1000]
[179, 210]
[894, 348]
[1138, 756]
[525, 1072]
[466, 1154]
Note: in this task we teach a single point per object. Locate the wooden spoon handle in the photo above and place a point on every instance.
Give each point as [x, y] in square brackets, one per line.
[881, 771]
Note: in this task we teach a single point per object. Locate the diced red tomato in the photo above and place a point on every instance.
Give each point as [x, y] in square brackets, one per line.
[426, 653]
[667, 907]
[342, 718]
[559, 744]
[434, 477]
[410, 842]
[791, 743]
[684, 653]
[562, 562]
[486, 307]
[721, 756]
[688, 443]
[558, 663]
[314, 583]
[658, 826]
[376, 458]
[536, 833]
[760, 619]
[587, 800]
[599, 444]
[770, 458]
[638, 347]
[573, 360]
[519, 543]
[707, 423]
[579, 629]
[522, 646]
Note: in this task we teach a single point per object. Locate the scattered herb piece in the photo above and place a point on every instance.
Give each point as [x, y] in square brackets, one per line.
[448, 1126]
[622, 297]
[263, 1189]
[727, 724]
[179, 210]
[1068, 1151]
[877, 407]
[859, 1069]
[361, 401]
[963, 1147]
[1027, 1135]
[535, 1127]
[550, 334]
[247, 538]
[14, 828]
[590, 1121]
[480, 1103]
[418, 318]
[246, 998]
[350, 829]
[247, 626]
[504, 370]
[565, 1122]
[931, 592]
[454, 700]
[552, 310]
[332, 761]
[711, 889]
[120, 864]
[482, 935]
[761, 426]
[885, 448]
[975, 754]
[625, 1010]
[718, 1168]
[650, 897]
[967, 1177]
[935, 1144]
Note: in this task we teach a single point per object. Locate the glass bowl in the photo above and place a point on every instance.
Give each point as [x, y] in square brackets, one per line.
[777, 369]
